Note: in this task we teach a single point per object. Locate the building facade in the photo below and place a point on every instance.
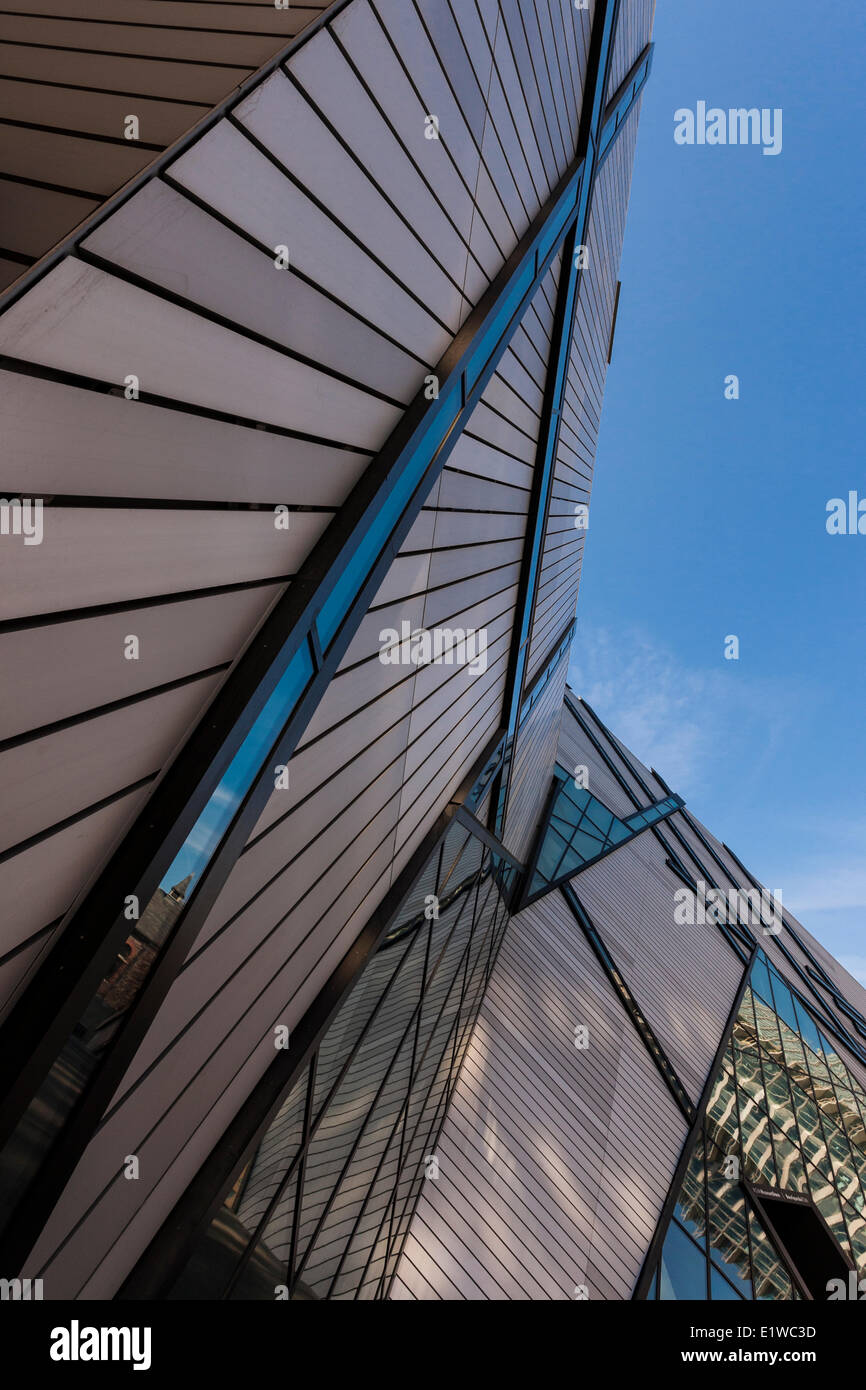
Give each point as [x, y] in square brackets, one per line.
[342, 955]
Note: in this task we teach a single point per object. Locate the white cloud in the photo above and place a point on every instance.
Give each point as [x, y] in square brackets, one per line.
[672, 716]
[727, 740]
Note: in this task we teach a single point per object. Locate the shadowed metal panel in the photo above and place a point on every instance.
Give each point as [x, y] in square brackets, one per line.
[572, 482]
[534, 757]
[177, 639]
[68, 440]
[265, 387]
[80, 319]
[575, 750]
[113, 555]
[41, 899]
[68, 83]
[632, 35]
[685, 977]
[47, 780]
[387, 747]
[554, 1162]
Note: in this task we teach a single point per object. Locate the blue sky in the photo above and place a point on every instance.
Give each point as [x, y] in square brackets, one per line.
[708, 515]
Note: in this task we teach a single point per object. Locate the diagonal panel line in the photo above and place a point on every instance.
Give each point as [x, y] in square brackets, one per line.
[279, 678]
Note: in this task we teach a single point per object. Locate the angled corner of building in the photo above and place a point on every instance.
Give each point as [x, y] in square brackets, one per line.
[346, 956]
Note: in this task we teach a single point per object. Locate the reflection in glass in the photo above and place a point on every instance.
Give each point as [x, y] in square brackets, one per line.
[683, 1268]
[323, 1204]
[580, 829]
[107, 1009]
[784, 1112]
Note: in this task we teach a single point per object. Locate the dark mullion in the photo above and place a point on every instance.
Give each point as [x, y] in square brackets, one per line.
[112, 388]
[186, 785]
[393, 1200]
[456, 1038]
[399, 1125]
[696, 1129]
[296, 1168]
[395, 1054]
[742, 1163]
[423, 106]
[268, 252]
[164, 1258]
[120, 272]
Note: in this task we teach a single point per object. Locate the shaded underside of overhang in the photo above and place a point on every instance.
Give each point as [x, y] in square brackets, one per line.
[71, 76]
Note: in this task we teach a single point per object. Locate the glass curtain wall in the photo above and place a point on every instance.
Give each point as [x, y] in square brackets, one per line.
[321, 1208]
[580, 829]
[787, 1116]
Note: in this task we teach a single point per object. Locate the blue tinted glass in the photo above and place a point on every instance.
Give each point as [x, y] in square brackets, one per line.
[760, 980]
[498, 323]
[719, 1286]
[553, 233]
[737, 1271]
[371, 544]
[599, 817]
[618, 832]
[683, 1268]
[576, 798]
[202, 840]
[584, 845]
[784, 1002]
[590, 828]
[808, 1031]
[551, 853]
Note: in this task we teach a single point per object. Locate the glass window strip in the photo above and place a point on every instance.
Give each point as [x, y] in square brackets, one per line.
[379, 523]
[476, 923]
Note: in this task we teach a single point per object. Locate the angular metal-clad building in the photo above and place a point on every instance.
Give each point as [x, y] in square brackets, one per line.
[346, 953]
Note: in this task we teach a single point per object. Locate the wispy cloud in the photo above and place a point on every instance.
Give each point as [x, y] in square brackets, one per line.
[728, 740]
[676, 717]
